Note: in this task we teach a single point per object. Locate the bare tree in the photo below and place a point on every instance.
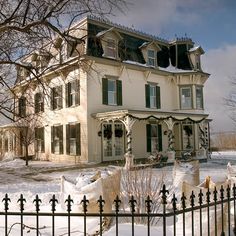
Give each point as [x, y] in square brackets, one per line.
[26, 26]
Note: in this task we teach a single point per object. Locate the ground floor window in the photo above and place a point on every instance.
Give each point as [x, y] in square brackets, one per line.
[57, 139]
[154, 138]
[73, 139]
[39, 139]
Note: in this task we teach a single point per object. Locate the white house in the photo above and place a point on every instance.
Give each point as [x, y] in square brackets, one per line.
[120, 92]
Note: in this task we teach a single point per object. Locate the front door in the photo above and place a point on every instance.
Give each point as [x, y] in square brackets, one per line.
[113, 141]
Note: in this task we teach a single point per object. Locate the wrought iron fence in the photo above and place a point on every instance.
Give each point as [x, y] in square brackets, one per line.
[209, 212]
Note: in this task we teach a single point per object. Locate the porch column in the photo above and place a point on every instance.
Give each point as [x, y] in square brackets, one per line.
[129, 157]
[170, 125]
[204, 138]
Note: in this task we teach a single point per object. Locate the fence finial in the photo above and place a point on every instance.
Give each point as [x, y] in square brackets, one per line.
[117, 202]
[222, 193]
[174, 202]
[192, 198]
[132, 203]
[37, 202]
[101, 203]
[21, 200]
[208, 194]
[164, 193]
[200, 195]
[6, 201]
[215, 194]
[148, 203]
[84, 203]
[53, 202]
[69, 201]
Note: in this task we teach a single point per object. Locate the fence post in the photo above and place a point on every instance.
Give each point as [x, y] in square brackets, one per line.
[69, 201]
[174, 201]
[215, 206]
[208, 193]
[85, 209]
[37, 202]
[183, 199]
[234, 193]
[21, 200]
[6, 201]
[101, 203]
[200, 195]
[117, 202]
[148, 203]
[222, 209]
[192, 198]
[53, 202]
[132, 203]
[164, 193]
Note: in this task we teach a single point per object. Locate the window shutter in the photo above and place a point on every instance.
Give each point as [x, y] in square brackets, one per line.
[68, 139]
[20, 107]
[119, 92]
[36, 139]
[60, 95]
[158, 97]
[159, 138]
[104, 91]
[61, 139]
[36, 103]
[52, 98]
[42, 96]
[77, 95]
[148, 136]
[52, 139]
[78, 140]
[42, 140]
[67, 95]
[147, 93]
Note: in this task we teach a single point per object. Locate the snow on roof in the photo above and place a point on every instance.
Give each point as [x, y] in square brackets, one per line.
[100, 34]
[173, 69]
[196, 48]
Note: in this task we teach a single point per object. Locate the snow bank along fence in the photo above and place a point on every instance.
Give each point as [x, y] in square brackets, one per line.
[212, 212]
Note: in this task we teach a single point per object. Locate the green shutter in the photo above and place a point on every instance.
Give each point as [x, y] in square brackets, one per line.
[119, 92]
[60, 95]
[158, 97]
[52, 98]
[147, 94]
[159, 138]
[52, 139]
[148, 136]
[36, 139]
[68, 139]
[42, 140]
[104, 91]
[67, 94]
[78, 140]
[36, 103]
[61, 139]
[77, 95]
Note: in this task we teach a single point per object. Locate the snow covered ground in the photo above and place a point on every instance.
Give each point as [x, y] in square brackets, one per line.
[43, 178]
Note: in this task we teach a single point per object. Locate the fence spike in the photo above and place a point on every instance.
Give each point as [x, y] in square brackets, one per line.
[101, 203]
[53, 202]
[132, 203]
[208, 194]
[21, 200]
[84, 203]
[164, 193]
[148, 203]
[215, 194]
[37, 202]
[192, 198]
[222, 193]
[200, 195]
[183, 199]
[174, 202]
[228, 191]
[6, 201]
[69, 201]
[117, 202]
[234, 190]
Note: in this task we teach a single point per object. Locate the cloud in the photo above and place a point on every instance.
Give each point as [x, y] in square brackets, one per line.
[220, 63]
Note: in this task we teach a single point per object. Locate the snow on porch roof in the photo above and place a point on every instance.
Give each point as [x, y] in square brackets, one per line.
[147, 115]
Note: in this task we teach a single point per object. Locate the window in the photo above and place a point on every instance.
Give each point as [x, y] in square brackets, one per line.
[186, 97]
[153, 96]
[73, 139]
[39, 139]
[22, 106]
[151, 60]
[111, 48]
[197, 59]
[57, 139]
[199, 97]
[56, 98]
[112, 92]
[38, 103]
[72, 93]
[154, 138]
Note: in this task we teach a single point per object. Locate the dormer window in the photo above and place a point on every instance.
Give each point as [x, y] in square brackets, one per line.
[151, 61]
[194, 54]
[109, 40]
[111, 50]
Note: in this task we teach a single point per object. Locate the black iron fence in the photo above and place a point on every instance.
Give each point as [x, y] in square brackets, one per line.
[208, 212]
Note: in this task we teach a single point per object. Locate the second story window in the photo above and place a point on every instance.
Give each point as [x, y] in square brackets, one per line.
[72, 93]
[111, 50]
[39, 139]
[153, 96]
[186, 97]
[38, 103]
[151, 58]
[22, 106]
[56, 98]
[57, 139]
[112, 92]
[199, 97]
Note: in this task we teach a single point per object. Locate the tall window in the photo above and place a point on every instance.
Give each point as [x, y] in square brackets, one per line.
[112, 92]
[57, 139]
[38, 103]
[151, 58]
[199, 97]
[186, 97]
[39, 139]
[73, 139]
[72, 93]
[154, 138]
[153, 96]
[22, 106]
[111, 50]
[56, 98]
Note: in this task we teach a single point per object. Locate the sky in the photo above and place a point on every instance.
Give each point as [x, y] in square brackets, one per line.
[211, 24]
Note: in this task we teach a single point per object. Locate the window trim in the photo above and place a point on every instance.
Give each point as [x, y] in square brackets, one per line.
[40, 137]
[60, 139]
[115, 48]
[180, 96]
[38, 103]
[77, 139]
[154, 58]
[22, 106]
[76, 93]
[59, 98]
[114, 92]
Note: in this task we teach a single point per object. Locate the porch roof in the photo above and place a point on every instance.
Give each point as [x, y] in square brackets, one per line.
[150, 115]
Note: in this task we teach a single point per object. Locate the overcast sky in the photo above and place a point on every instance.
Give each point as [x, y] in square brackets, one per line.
[211, 24]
